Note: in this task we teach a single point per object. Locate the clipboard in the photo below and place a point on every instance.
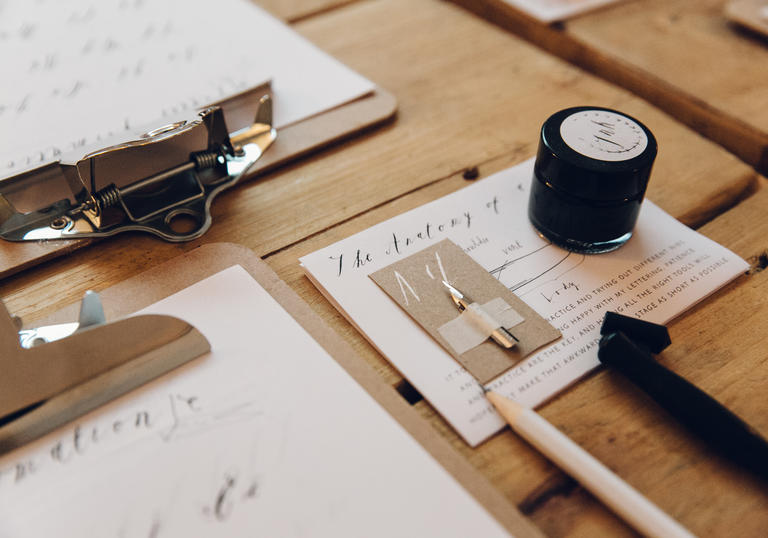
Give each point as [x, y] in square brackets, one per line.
[179, 273]
[293, 142]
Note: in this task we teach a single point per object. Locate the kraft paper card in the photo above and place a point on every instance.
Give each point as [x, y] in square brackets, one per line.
[416, 284]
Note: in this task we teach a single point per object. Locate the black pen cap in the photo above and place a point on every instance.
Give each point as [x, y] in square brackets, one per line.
[652, 336]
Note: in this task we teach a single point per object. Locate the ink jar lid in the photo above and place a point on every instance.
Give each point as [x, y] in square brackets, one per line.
[590, 176]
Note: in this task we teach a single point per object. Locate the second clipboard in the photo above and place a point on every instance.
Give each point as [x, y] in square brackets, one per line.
[293, 142]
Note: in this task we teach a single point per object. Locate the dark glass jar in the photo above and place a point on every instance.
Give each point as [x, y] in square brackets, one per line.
[590, 176]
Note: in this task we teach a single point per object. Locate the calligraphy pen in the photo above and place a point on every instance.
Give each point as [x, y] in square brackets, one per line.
[627, 344]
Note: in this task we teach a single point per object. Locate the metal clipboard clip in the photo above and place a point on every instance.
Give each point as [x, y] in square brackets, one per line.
[55, 373]
[160, 180]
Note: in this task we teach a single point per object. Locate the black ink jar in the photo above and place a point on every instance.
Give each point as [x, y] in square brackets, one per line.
[590, 176]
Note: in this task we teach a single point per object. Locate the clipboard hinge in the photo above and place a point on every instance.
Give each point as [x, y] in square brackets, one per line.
[161, 181]
[55, 373]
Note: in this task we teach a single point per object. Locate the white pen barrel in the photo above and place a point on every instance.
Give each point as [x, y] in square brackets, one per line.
[622, 498]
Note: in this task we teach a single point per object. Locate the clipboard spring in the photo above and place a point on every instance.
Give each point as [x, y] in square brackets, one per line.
[111, 195]
[195, 159]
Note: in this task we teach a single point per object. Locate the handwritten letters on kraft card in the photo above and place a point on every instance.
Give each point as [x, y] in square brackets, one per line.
[416, 284]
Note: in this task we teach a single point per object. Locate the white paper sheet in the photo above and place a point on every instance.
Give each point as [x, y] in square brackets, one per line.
[557, 10]
[664, 269]
[75, 72]
[265, 436]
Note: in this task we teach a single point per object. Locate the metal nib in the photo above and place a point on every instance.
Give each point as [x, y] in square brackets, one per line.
[500, 335]
[460, 300]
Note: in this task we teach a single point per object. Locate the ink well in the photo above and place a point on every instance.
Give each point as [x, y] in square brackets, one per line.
[589, 179]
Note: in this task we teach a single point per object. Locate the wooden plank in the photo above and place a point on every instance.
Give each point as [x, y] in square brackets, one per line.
[685, 57]
[690, 48]
[474, 94]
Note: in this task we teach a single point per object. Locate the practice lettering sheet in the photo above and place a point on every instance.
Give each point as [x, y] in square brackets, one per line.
[664, 269]
[266, 435]
[82, 71]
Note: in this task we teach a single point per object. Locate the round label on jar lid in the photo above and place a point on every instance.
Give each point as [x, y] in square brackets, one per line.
[603, 135]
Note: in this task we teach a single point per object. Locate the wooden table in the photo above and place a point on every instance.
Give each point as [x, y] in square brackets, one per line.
[473, 96]
[685, 57]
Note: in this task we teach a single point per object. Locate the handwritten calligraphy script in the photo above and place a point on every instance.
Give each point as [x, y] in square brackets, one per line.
[265, 436]
[82, 71]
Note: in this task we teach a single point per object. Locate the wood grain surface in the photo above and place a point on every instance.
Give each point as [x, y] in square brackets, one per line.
[468, 93]
[473, 96]
[719, 346]
[685, 57]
